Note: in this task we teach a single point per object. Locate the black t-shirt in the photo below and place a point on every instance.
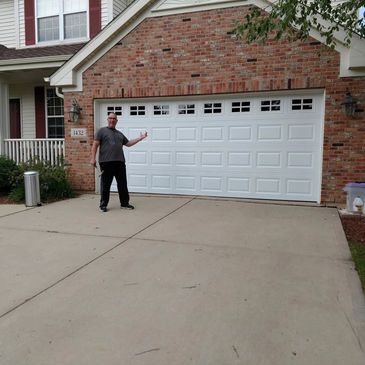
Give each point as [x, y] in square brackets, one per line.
[111, 144]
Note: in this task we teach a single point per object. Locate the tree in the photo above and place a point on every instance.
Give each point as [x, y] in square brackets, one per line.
[293, 19]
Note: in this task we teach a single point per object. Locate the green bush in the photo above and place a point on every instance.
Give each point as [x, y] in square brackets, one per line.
[53, 182]
[8, 170]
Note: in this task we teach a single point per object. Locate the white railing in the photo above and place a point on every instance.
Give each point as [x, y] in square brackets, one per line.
[43, 149]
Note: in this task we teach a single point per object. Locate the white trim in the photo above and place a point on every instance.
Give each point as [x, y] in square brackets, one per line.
[317, 113]
[61, 27]
[186, 7]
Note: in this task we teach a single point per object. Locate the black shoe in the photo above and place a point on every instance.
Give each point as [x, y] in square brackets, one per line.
[127, 206]
[104, 209]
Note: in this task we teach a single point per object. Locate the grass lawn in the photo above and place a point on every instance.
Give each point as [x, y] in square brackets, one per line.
[358, 255]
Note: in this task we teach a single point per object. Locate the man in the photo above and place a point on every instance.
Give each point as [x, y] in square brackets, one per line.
[110, 142]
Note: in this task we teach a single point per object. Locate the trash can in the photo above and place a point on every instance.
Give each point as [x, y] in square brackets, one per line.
[31, 187]
[355, 201]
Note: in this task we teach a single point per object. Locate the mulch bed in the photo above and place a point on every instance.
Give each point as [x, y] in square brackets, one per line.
[5, 200]
[354, 227]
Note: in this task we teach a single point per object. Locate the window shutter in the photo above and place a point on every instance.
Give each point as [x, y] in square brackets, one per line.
[40, 113]
[94, 17]
[29, 19]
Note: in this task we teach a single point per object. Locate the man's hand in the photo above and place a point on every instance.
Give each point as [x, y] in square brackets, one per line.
[142, 136]
[93, 162]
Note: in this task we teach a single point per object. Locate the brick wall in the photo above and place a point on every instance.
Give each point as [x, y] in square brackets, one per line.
[195, 54]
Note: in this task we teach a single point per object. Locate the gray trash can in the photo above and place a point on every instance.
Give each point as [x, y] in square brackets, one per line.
[32, 192]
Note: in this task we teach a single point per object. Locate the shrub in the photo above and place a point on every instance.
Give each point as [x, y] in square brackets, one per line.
[8, 170]
[53, 181]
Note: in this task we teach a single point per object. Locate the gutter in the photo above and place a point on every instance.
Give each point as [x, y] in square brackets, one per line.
[33, 63]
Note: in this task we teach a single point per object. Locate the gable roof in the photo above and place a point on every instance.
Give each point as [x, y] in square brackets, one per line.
[69, 76]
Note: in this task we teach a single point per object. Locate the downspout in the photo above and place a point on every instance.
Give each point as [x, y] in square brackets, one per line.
[59, 93]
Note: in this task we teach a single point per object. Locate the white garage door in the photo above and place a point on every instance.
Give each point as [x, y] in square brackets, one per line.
[262, 147]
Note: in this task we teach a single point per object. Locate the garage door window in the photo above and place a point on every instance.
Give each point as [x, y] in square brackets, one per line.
[212, 108]
[138, 110]
[186, 109]
[117, 110]
[161, 110]
[302, 104]
[241, 106]
[270, 105]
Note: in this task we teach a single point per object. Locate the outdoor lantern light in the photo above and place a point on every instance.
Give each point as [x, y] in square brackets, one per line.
[349, 104]
[74, 112]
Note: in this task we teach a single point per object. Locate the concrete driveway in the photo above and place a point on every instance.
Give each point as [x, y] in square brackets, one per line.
[177, 281]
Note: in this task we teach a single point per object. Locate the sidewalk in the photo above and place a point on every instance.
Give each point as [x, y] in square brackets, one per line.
[179, 280]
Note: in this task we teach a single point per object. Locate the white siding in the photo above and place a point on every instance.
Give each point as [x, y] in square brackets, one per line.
[27, 109]
[21, 24]
[105, 5]
[119, 6]
[7, 24]
[112, 8]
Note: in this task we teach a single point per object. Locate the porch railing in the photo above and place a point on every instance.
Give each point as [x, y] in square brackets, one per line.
[43, 149]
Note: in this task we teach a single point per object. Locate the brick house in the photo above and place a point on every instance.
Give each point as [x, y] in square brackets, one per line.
[224, 118]
[36, 38]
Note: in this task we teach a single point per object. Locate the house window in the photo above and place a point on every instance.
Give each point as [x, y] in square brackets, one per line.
[61, 19]
[240, 106]
[55, 119]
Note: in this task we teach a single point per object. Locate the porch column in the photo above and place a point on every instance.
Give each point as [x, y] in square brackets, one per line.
[4, 113]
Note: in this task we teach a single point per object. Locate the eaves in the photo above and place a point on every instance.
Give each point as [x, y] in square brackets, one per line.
[33, 63]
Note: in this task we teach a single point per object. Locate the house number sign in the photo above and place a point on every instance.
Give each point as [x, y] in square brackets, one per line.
[78, 132]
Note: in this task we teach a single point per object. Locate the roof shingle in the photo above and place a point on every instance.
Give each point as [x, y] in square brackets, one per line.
[12, 53]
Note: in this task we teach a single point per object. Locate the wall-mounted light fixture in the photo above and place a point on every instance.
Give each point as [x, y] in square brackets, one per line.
[74, 112]
[349, 104]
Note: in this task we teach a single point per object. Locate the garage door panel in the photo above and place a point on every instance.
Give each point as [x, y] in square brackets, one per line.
[212, 134]
[269, 133]
[238, 185]
[301, 132]
[209, 159]
[161, 134]
[268, 159]
[253, 147]
[299, 187]
[137, 157]
[211, 184]
[300, 159]
[161, 182]
[237, 133]
[138, 181]
[267, 186]
[239, 159]
[186, 158]
[186, 183]
[161, 158]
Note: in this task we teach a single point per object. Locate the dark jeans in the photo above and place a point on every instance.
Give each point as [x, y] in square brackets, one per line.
[113, 169]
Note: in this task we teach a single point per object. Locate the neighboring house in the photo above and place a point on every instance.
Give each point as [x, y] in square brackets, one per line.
[224, 118]
[36, 38]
